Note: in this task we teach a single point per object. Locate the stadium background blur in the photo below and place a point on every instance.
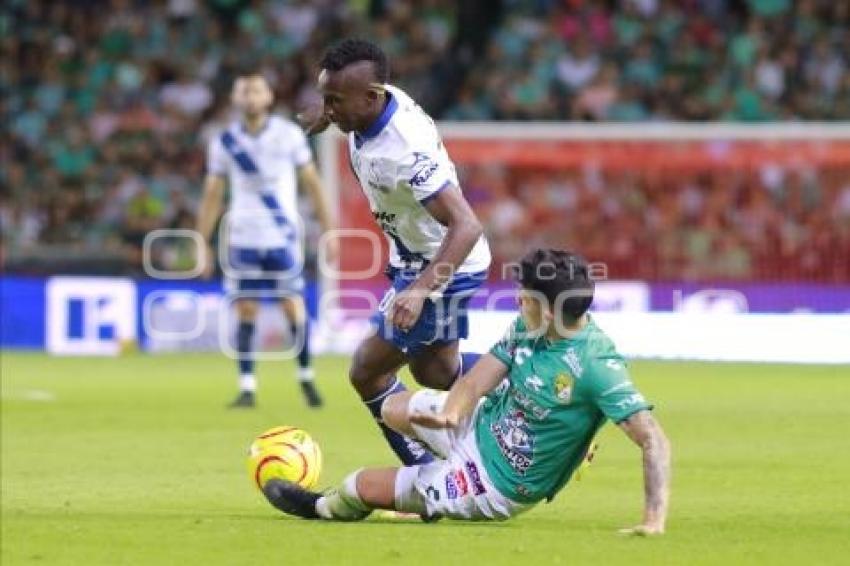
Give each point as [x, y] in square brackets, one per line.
[108, 106]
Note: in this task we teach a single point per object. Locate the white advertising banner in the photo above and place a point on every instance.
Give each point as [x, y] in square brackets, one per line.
[93, 316]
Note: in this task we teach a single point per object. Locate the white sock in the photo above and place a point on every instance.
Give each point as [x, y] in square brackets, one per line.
[343, 503]
[305, 374]
[247, 382]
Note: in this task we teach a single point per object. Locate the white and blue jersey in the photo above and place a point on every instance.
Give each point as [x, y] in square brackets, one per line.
[264, 230]
[402, 164]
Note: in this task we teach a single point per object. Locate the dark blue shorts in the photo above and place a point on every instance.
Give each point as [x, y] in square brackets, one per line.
[442, 320]
[274, 269]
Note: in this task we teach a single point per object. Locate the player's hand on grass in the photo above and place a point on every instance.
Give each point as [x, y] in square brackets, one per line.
[434, 420]
[406, 308]
[643, 530]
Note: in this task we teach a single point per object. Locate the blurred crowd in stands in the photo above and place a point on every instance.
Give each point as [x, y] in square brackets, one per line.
[771, 223]
[107, 105]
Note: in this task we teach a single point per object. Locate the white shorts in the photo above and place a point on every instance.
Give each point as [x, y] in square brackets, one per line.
[455, 485]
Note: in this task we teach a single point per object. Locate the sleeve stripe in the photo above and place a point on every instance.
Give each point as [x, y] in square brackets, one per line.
[427, 199]
[643, 407]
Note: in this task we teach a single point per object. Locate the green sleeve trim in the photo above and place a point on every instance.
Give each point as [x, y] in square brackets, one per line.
[647, 407]
[501, 355]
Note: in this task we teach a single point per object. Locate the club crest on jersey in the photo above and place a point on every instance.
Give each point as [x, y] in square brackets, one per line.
[515, 441]
[423, 169]
[564, 387]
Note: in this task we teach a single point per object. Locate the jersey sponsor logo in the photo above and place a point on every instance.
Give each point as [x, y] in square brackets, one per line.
[522, 490]
[384, 219]
[415, 448]
[521, 353]
[527, 403]
[423, 169]
[456, 484]
[563, 387]
[477, 485]
[615, 365]
[515, 441]
[571, 359]
[534, 382]
[387, 222]
[502, 388]
[374, 178]
[451, 486]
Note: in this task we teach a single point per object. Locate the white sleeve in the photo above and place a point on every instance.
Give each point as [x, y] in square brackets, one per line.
[301, 152]
[216, 158]
[427, 173]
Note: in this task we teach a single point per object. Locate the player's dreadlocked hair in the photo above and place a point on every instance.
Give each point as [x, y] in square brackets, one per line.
[562, 277]
[349, 51]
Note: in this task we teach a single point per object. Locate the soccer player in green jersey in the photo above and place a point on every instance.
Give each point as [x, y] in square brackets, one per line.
[512, 432]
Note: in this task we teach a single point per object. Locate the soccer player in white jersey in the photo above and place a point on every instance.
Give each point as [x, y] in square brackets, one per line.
[438, 255]
[261, 157]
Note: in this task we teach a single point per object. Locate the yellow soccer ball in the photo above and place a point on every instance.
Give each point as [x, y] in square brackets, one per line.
[287, 453]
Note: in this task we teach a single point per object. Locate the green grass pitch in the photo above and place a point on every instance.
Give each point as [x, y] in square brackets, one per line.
[134, 460]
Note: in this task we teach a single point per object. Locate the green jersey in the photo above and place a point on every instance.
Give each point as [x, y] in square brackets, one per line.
[534, 429]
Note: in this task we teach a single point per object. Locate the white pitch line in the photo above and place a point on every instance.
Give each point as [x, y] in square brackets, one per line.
[38, 395]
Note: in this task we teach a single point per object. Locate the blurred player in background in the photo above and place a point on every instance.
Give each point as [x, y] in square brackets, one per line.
[262, 157]
[512, 432]
[438, 254]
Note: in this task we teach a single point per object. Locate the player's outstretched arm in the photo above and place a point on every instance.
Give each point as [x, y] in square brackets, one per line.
[450, 209]
[645, 431]
[309, 178]
[208, 213]
[484, 376]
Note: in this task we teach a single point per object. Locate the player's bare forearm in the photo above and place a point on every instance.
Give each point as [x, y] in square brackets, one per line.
[656, 473]
[485, 375]
[211, 205]
[464, 229]
[450, 209]
[645, 431]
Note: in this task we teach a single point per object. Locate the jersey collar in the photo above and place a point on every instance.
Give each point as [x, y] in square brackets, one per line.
[259, 132]
[378, 125]
[581, 335]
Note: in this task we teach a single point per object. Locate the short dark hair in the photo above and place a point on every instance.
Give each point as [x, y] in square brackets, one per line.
[352, 50]
[555, 272]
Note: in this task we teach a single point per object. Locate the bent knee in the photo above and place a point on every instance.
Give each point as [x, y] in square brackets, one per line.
[395, 413]
[293, 308]
[434, 373]
[358, 374]
[366, 381]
